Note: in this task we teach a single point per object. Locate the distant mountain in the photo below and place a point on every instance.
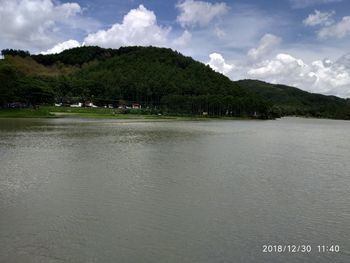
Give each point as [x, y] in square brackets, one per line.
[158, 78]
[286, 100]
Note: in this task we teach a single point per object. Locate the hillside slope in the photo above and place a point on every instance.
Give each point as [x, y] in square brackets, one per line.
[158, 78]
[288, 100]
[154, 77]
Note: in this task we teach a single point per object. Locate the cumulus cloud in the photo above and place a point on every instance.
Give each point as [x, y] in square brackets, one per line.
[34, 23]
[267, 43]
[218, 63]
[62, 46]
[320, 18]
[331, 78]
[307, 3]
[139, 27]
[321, 76]
[344, 61]
[183, 40]
[199, 13]
[338, 30]
[278, 68]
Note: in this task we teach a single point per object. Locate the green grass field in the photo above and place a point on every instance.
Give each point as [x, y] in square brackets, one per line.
[68, 112]
[26, 113]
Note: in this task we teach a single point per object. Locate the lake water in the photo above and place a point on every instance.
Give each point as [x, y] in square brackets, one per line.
[74, 190]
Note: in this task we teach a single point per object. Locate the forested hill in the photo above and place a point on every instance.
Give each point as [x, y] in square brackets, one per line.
[157, 78]
[286, 100]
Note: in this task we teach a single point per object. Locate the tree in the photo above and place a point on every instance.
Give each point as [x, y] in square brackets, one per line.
[15, 52]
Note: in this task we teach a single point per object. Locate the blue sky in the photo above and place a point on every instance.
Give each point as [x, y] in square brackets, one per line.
[296, 42]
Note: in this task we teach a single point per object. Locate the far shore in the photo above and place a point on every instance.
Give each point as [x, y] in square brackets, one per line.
[101, 113]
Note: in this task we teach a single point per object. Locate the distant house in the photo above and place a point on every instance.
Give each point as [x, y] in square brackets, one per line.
[136, 106]
[77, 105]
[91, 105]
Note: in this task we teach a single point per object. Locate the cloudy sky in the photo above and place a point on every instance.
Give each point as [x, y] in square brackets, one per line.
[304, 43]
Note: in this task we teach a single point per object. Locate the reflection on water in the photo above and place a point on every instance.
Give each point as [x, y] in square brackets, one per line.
[74, 190]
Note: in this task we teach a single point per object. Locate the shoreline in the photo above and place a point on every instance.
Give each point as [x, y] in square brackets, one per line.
[102, 113]
[51, 112]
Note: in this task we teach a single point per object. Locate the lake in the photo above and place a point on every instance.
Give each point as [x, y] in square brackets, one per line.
[86, 190]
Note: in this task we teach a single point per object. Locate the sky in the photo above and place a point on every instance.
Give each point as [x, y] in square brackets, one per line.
[303, 43]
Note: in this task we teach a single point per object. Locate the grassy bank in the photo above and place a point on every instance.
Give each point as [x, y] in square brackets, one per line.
[26, 113]
[68, 112]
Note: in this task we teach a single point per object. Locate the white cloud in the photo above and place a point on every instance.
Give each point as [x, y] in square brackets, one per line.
[344, 61]
[199, 13]
[220, 33]
[183, 40]
[331, 78]
[307, 3]
[139, 27]
[68, 9]
[319, 18]
[233, 35]
[278, 68]
[338, 30]
[62, 46]
[267, 43]
[320, 76]
[218, 63]
[34, 23]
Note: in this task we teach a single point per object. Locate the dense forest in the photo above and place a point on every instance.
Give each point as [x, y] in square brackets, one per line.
[287, 100]
[157, 78]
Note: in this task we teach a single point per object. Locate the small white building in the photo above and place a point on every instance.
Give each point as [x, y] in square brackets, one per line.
[90, 104]
[77, 105]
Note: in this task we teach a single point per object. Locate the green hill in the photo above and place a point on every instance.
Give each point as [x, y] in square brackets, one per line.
[286, 100]
[157, 78]
[160, 79]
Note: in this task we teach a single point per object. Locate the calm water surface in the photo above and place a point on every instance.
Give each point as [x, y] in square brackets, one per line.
[74, 190]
